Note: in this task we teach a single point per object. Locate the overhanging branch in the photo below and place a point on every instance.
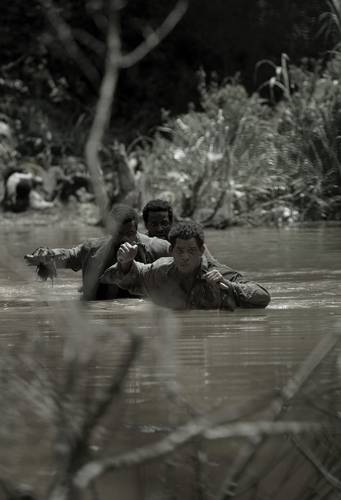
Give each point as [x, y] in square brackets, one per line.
[156, 37]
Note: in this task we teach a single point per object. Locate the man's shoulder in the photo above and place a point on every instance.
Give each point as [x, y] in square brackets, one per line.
[163, 263]
[94, 243]
[152, 242]
[208, 264]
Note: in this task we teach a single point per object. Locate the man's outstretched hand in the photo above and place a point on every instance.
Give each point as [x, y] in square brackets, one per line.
[43, 259]
[125, 255]
[41, 255]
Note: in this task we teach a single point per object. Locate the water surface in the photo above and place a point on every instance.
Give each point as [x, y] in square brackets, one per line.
[214, 357]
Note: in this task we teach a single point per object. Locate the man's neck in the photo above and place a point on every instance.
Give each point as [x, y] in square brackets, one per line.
[187, 279]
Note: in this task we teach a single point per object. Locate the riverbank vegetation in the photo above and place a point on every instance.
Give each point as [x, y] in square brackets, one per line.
[236, 156]
[253, 160]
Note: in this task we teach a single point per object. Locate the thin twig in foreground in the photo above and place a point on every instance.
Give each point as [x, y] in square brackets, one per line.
[313, 460]
[275, 410]
[185, 434]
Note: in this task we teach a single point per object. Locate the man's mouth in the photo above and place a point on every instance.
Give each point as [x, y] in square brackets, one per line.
[184, 264]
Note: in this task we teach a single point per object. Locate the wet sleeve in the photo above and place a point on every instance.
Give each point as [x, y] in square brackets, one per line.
[249, 294]
[67, 258]
[137, 280]
[228, 273]
[160, 248]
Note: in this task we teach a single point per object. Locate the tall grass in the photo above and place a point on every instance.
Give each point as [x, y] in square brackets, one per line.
[248, 159]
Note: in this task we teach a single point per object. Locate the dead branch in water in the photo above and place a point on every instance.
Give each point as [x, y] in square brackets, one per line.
[278, 406]
[73, 442]
[184, 434]
[315, 462]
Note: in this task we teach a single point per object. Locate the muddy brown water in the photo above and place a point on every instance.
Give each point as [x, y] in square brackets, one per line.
[210, 357]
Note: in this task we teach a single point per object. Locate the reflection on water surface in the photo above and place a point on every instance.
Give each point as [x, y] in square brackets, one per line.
[215, 357]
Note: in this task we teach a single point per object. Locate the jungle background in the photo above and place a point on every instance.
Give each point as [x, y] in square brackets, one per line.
[234, 117]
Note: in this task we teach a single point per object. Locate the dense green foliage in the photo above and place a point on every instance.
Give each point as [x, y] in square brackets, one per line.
[269, 163]
[220, 36]
[260, 147]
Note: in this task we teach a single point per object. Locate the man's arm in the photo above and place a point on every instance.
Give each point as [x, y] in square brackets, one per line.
[132, 280]
[127, 273]
[245, 293]
[155, 248]
[48, 260]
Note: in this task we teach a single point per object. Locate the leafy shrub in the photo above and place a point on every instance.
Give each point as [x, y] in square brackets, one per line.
[251, 160]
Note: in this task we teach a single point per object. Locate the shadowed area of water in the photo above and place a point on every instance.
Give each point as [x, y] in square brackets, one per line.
[215, 357]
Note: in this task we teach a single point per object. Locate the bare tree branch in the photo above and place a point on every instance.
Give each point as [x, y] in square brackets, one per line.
[182, 435]
[103, 110]
[114, 62]
[315, 462]
[66, 38]
[106, 399]
[156, 37]
[275, 410]
[90, 41]
[251, 430]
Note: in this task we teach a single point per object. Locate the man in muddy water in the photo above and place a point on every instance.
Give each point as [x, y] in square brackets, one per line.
[95, 255]
[186, 280]
[158, 218]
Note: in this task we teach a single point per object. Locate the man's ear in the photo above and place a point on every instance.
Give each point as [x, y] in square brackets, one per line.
[202, 249]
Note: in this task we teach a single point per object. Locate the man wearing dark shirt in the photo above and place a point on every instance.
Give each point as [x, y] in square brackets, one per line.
[186, 280]
[95, 255]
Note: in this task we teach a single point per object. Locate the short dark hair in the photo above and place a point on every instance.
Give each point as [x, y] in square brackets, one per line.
[157, 206]
[186, 231]
[121, 214]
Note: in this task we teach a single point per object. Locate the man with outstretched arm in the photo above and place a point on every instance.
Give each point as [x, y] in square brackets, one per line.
[97, 254]
[186, 280]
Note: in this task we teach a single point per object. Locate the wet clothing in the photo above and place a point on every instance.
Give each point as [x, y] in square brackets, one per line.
[97, 254]
[167, 287]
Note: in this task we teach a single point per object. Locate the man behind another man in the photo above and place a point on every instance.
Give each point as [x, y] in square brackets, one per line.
[158, 218]
[95, 255]
[186, 280]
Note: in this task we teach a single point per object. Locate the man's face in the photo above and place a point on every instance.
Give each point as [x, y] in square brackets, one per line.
[187, 255]
[158, 224]
[127, 232]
